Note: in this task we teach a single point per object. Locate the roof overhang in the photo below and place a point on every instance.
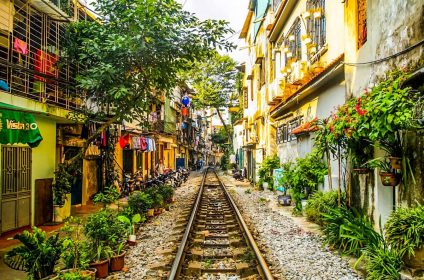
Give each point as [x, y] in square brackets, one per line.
[283, 13]
[246, 25]
[331, 74]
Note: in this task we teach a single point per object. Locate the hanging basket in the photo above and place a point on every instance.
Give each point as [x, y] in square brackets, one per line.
[389, 179]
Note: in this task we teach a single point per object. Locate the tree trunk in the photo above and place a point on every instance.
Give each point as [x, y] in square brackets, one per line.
[330, 179]
[230, 137]
[339, 189]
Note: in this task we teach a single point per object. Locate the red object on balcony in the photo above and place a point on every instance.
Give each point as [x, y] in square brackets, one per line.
[20, 46]
[306, 127]
[45, 63]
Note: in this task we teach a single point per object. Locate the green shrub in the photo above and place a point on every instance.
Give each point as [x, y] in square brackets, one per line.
[103, 228]
[319, 203]
[166, 191]
[303, 176]
[405, 229]
[267, 167]
[349, 230]
[72, 275]
[139, 202]
[39, 253]
[156, 196]
[382, 262]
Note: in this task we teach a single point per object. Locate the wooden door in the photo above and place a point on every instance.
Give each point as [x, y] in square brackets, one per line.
[43, 201]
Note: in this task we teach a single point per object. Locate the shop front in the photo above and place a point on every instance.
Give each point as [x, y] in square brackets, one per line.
[28, 149]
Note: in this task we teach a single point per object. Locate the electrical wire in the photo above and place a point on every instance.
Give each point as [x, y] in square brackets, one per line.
[385, 58]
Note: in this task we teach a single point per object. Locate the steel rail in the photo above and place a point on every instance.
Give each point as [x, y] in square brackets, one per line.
[177, 261]
[262, 263]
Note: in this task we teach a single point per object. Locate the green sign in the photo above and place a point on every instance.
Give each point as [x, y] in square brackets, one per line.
[19, 127]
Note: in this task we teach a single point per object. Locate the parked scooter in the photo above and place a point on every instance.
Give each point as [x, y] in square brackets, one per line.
[237, 175]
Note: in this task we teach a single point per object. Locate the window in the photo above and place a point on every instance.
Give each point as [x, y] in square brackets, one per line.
[362, 22]
[276, 4]
[245, 97]
[284, 131]
[261, 77]
[316, 24]
[293, 43]
[251, 89]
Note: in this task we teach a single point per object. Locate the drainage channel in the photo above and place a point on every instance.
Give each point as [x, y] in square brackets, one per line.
[217, 243]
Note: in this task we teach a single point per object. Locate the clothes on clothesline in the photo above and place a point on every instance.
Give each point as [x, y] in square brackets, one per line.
[141, 143]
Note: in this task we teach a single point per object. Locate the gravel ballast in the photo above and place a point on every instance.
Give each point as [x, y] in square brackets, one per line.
[146, 259]
[291, 252]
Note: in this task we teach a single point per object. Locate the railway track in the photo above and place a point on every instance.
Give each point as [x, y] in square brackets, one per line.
[217, 243]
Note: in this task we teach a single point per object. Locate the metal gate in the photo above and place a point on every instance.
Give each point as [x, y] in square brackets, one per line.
[15, 187]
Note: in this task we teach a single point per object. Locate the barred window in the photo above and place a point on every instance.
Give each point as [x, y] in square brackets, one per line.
[316, 24]
[284, 131]
[293, 43]
[276, 4]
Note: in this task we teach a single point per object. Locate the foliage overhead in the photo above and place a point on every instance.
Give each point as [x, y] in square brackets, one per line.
[135, 51]
[214, 80]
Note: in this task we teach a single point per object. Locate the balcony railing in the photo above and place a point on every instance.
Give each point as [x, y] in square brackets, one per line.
[30, 54]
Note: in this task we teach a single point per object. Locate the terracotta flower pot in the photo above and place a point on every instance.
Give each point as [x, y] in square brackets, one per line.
[396, 162]
[102, 268]
[117, 262]
[389, 179]
[416, 261]
[361, 170]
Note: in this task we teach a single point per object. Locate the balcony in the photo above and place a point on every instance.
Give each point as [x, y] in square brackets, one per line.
[56, 9]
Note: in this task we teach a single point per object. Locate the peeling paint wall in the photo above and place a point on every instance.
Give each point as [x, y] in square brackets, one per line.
[392, 26]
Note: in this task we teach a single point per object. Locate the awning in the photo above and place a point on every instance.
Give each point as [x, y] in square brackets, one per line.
[18, 126]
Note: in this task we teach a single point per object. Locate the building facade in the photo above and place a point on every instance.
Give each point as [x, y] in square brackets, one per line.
[36, 97]
[306, 58]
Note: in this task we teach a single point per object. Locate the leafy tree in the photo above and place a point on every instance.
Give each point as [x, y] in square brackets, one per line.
[214, 80]
[134, 52]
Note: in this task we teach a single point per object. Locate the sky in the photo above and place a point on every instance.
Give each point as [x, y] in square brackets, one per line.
[233, 11]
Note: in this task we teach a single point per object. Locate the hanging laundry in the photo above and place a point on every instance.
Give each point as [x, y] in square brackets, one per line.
[135, 143]
[104, 139]
[143, 144]
[153, 145]
[20, 46]
[44, 63]
[4, 86]
[153, 117]
[149, 145]
[124, 141]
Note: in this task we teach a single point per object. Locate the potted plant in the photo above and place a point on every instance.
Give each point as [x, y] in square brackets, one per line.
[108, 196]
[130, 225]
[100, 255]
[387, 176]
[38, 253]
[75, 250]
[117, 260]
[103, 230]
[61, 188]
[141, 202]
[404, 232]
[393, 147]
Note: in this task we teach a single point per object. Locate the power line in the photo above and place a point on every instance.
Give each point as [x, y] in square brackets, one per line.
[385, 58]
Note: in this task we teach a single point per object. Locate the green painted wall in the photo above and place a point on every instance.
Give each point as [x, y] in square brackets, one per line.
[43, 156]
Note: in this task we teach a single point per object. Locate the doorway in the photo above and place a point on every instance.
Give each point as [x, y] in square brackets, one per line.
[15, 187]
